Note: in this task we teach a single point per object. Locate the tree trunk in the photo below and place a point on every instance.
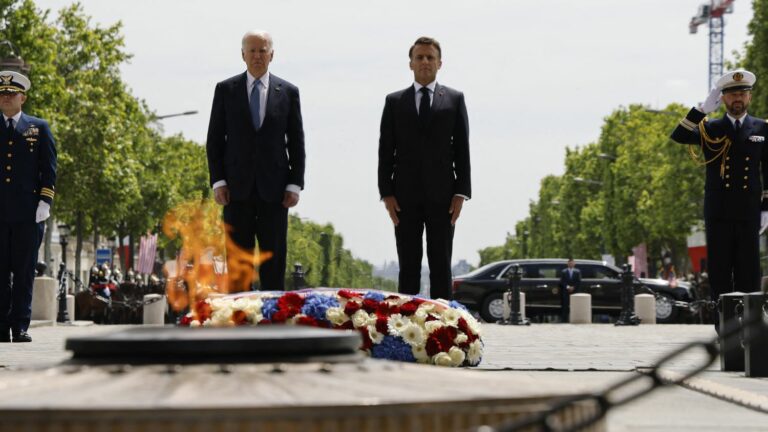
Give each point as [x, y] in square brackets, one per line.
[130, 251]
[80, 226]
[120, 250]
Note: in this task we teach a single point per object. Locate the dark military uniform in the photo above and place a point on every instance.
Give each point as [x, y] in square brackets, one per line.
[733, 196]
[27, 176]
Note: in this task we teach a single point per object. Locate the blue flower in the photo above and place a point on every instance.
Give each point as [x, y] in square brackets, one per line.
[373, 295]
[393, 348]
[456, 305]
[315, 305]
[268, 307]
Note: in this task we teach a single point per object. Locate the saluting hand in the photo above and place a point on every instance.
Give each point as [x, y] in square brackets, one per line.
[455, 210]
[390, 203]
[712, 103]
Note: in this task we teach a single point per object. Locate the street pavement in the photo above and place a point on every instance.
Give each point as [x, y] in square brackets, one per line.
[576, 356]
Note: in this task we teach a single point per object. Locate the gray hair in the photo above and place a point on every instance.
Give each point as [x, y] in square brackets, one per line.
[261, 34]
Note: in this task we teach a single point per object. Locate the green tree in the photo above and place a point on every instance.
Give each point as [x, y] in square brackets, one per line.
[755, 57]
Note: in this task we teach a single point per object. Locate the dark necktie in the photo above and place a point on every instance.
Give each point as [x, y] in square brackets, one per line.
[424, 108]
[737, 126]
[256, 105]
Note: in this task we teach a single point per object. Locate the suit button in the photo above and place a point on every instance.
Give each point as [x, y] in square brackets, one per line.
[727, 158]
[746, 168]
[746, 158]
[745, 177]
[727, 185]
[8, 167]
[10, 143]
[727, 167]
[7, 180]
[745, 186]
[727, 176]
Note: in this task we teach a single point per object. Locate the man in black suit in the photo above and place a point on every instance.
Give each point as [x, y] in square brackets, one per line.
[26, 194]
[735, 201]
[424, 170]
[570, 281]
[256, 161]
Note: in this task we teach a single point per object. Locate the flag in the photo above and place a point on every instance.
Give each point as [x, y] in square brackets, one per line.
[147, 249]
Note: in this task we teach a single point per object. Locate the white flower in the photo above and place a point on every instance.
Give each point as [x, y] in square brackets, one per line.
[420, 353]
[457, 356]
[419, 317]
[194, 323]
[451, 316]
[472, 323]
[240, 304]
[208, 323]
[431, 326]
[397, 323]
[460, 339]
[475, 353]
[413, 335]
[376, 337]
[336, 315]
[442, 359]
[426, 307]
[360, 318]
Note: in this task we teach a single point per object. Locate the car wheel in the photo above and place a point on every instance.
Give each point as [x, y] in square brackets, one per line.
[666, 311]
[492, 308]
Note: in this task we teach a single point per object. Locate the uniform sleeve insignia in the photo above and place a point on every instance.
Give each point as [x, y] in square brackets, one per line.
[757, 138]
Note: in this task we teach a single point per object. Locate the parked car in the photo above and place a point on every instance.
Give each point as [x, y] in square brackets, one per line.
[483, 288]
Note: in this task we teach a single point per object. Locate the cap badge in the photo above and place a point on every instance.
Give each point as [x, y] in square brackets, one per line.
[738, 76]
[6, 79]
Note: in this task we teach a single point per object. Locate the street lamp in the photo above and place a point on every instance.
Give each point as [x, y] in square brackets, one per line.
[63, 316]
[185, 113]
[13, 62]
[587, 181]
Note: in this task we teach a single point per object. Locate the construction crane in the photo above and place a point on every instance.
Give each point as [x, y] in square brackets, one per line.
[712, 13]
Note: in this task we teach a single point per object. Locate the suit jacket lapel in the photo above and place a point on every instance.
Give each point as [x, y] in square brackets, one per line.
[241, 95]
[22, 124]
[275, 87]
[746, 128]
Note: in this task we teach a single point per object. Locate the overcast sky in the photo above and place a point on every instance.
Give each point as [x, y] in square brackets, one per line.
[539, 76]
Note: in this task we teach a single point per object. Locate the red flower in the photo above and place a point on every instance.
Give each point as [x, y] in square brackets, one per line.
[385, 309]
[264, 321]
[239, 318]
[351, 307]
[346, 326]
[347, 294]
[367, 342]
[280, 316]
[290, 303]
[202, 310]
[370, 305]
[440, 340]
[308, 321]
[464, 327]
[381, 324]
[409, 308]
[392, 297]
[185, 320]
[431, 317]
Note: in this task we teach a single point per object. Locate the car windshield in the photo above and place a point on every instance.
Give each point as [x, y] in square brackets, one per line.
[488, 268]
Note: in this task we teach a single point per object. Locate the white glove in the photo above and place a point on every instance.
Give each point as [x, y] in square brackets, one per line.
[763, 221]
[44, 211]
[712, 103]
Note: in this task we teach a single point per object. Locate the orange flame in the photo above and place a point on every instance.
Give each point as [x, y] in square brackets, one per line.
[200, 268]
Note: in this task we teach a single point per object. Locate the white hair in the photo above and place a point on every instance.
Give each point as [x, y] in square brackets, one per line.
[261, 34]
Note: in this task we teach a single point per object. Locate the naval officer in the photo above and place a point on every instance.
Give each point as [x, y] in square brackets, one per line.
[733, 148]
[27, 178]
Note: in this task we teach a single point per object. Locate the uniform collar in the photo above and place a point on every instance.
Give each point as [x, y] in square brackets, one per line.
[15, 118]
[431, 86]
[733, 119]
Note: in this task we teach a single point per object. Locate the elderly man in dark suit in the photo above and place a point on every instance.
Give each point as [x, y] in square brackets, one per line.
[570, 282]
[733, 148]
[26, 194]
[256, 161]
[424, 169]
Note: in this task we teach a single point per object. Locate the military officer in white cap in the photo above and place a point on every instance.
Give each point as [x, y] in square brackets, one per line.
[733, 148]
[27, 178]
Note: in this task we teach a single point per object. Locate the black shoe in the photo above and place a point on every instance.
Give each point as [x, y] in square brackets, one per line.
[5, 334]
[21, 336]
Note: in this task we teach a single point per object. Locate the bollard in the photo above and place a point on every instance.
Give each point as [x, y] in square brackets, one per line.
[298, 277]
[756, 335]
[71, 307]
[581, 308]
[44, 302]
[513, 281]
[731, 352]
[645, 306]
[154, 312]
[627, 316]
[506, 309]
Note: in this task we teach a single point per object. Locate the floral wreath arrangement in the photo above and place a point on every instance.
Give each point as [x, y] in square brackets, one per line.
[393, 326]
